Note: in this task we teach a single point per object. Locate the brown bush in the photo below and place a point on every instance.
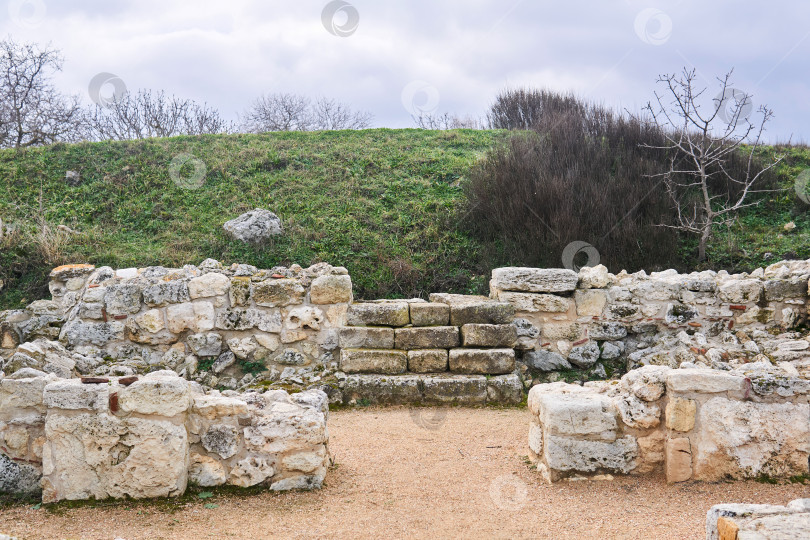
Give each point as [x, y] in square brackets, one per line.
[583, 174]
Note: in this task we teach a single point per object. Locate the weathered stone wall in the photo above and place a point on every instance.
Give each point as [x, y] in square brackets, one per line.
[243, 328]
[208, 323]
[759, 521]
[692, 424]
[453, 349]
[151, 436]
[600, 323]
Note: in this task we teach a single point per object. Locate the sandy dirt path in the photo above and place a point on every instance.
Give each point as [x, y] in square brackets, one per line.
[417, 473]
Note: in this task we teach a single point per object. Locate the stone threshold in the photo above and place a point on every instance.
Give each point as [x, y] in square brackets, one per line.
[432, 389]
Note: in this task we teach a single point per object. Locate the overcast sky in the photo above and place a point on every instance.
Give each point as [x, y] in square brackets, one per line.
[393, 57]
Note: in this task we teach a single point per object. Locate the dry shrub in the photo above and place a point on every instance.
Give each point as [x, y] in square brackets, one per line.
[581, 174]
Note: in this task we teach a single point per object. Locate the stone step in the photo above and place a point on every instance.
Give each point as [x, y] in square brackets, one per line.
[432, 389]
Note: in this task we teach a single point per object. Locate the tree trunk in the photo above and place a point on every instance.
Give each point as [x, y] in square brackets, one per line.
[704, 239]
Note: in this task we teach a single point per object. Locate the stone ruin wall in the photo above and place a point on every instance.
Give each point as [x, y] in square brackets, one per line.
[151, 436]
[689, 424]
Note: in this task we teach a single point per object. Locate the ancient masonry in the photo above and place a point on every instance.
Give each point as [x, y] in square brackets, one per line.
[759, 521]
[713, 346]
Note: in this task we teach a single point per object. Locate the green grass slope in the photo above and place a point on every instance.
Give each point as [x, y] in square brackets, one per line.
[380, 202]
[386, 204]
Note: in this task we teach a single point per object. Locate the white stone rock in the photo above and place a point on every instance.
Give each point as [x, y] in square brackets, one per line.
[208, 285]
[206, 471]
[164, 396]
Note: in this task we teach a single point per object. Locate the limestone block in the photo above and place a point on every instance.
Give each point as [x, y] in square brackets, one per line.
[249, 318]
[481, 312]
[488, 335]
[286, 427]
[22, 394]
[162, 395]
[590, 303]
[122, 299]
[208, 285]
[595, 277]
[636, 413]
[373, 361]
[647, 383]
[429, 314]
[534, 303]
[568, 331]
[428, 337]
[427, 360]
[740, 291]
[306, 462]
[744, 439]
[151, 321]
[331, 289]
[678, 460]
[704, 381]
[584, 414]
[378, 314]
[19, 478]
[505, 389]
[205, 471]
[205, 345]
[651, 452]
[535, 438]
[584, 355]
[386, 389]
[163, 293]
[457, 389]
[610, 351]
[574, 455]
[278, 292]
[482, 361]
[221, 439]
[99, 456]
[607, 331]
[681, 414]
[361, 337]
[242, 348]
[213, 406]
[777, 290]
[77, 333]
[239, 292]
[72, 394]
[542, 280]
[305, 318]
[196, 316]
[545, 360]
[42, 355]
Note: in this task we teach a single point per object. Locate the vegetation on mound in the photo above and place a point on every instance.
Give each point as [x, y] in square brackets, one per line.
[387, 204]
[381, 202]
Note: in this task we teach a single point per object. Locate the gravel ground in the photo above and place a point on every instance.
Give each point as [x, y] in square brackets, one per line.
[417, 473]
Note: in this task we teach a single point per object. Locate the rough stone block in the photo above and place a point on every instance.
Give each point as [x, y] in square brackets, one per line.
[607, 331]
[383, 389]
[378, 314]
[574, 455]
[362, 337]
[505, 389]
[482, 361]
[161, 294]
[534, 303]
[542, 280]
[481, 313]
[428, 337]
[373, 361]
[331, 289]
[429, 314]
[590, 303]
[160, 395]
[456, 389]
[72, 394]
[197, 317]
[278, 292]
[545, 360]
[703, 381]
[740, 291]
[568, 331]
[488, 335]
[427, 361]
[208, 285]
[681, 414]
[678, 460]
[578, 414]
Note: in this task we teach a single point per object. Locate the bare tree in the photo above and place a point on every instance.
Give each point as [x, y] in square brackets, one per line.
[329, 114]
[292, 112]
[700, 145]
[153, 114]
[32, 111]
[447, 121]
[278, 112]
